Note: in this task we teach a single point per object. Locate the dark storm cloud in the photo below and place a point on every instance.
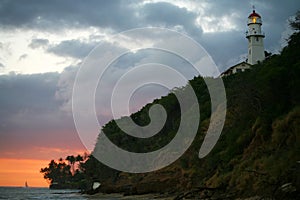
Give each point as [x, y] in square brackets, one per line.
[169, 15]
[59, 14]
[116, 15]
[27, 92]
[72, 48]
[122, 15]
[36, 43]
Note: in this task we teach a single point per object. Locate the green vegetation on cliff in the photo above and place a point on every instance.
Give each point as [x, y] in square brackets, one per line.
[258, 153]
[259, 149]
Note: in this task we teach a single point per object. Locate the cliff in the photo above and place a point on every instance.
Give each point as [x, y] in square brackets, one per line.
[258, 153]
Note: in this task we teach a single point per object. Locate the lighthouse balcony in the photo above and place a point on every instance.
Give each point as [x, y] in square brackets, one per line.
[249, 34]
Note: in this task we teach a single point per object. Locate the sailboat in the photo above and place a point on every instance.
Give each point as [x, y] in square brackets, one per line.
[26, 184]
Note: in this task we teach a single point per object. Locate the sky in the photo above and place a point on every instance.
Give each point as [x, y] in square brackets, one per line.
[44, 43]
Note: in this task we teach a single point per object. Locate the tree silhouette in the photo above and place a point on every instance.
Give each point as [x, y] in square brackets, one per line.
[57, 173]
[79, 158]
[72, 161]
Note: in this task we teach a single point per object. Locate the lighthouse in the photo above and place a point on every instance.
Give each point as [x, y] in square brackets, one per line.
[256, 51]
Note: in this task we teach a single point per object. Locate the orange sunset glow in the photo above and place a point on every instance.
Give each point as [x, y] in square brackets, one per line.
[14, 172]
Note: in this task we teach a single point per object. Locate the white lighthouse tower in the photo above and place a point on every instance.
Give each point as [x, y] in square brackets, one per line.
[256, 51]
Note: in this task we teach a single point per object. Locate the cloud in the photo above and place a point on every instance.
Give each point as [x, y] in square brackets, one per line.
[35, 109]
[274, 15]
[27, 92]
[45, 15]
[115, 15]
[233, 45]
[30, 114]
[169, 15]
[65, 88]
[72, 48]
[37, 43]
[22, 57]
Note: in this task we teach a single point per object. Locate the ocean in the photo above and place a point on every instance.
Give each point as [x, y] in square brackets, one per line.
[19, 193]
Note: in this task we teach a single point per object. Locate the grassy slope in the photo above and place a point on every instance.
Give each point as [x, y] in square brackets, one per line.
[259, 147]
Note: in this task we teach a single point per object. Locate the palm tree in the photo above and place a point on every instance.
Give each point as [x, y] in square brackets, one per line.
[79, 158]
[72, 161]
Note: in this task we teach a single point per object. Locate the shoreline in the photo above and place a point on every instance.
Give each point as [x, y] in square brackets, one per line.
[127, 197]
[160, 196]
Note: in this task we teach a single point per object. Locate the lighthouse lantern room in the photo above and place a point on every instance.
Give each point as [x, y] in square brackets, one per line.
[256, 51]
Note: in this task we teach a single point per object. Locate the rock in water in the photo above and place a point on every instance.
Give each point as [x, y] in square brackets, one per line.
[96, 185]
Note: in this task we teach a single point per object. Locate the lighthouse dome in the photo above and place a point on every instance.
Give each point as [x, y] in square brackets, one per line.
[254, 14]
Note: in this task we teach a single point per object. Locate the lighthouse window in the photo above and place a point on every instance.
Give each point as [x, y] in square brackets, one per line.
[256, 39]
[249, 51]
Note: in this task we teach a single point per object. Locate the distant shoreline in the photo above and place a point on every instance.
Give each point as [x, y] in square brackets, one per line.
[24, 187]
